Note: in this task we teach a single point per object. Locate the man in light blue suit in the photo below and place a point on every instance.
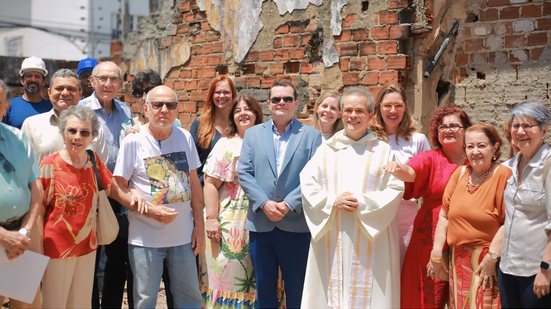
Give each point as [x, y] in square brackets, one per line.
[272, 156]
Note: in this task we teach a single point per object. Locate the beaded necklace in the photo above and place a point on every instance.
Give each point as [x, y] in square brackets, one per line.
[471, 187]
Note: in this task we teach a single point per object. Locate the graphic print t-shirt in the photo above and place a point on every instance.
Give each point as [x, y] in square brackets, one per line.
[159, 170]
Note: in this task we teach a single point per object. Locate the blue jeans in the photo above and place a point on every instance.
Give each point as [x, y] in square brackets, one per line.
[147, 266]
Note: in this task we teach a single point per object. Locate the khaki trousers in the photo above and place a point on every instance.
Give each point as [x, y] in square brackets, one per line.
[68, 282]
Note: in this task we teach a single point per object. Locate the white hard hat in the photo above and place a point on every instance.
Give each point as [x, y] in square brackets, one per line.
[33, 64]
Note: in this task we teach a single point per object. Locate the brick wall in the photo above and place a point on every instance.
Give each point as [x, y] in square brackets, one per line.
[369, 56]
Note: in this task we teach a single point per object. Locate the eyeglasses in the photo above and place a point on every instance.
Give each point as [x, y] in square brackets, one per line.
[73, 132]
[6, 165]
[276, 100]
[525, 126]
[104, 78]
[452, 127]
[139, 92]
[169, 105]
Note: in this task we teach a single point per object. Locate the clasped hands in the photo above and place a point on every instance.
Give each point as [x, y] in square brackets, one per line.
[347, 202]
[275, 211]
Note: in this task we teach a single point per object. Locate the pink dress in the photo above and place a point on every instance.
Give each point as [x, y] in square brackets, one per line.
[433, 170]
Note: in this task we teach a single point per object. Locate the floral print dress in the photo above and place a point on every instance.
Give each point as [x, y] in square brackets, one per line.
[231, 282]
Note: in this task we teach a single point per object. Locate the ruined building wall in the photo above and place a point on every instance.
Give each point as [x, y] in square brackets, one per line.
[500, 55]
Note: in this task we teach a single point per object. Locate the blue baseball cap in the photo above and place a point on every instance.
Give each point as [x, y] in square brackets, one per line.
[86, 64]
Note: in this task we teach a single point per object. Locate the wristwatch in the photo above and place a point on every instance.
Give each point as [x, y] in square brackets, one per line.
[493, 256]
[544, 265]
[24, 232]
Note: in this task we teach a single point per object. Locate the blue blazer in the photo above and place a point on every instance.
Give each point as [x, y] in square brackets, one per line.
[258, 174]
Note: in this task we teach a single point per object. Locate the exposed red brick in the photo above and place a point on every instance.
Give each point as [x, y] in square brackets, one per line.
[370, 78]
[357, 64]
[197, 61]
[196, 95]
[260, 67]
[514, 41]
[509, 12]
[491, 3]
[388, 18]
[214, 60]
[203, 84]
[374, 90]
[169, 83]
[306, 68]
[276, 68]
[387, 47]
[350, 79]
[189, 107]
[388, 77]
[281, 55]
[296, 53]
[345, 36]
[188, 17]
[290, 40]
[278, 42]
[376, 63]
[537, 39]
[136, 107]
[398, 4]
[205, 26]
[398, 32]
[532, 10]
[473, 45]
[348, 21]
[380, 33]
[546, 8]
[360, 34]
[513, 56]
[267, 81]
[206, 73]
[544, 24]
[368, 48]
[397, 62]
[347, 49]
[266, 55]
[291, 67]
[211, 48]
[313, 25]
[282, 29]
[297, 27]
[200, 38]
[461, 59]
[252, 56]
[489, 15]
[344, 64]
[252, 82]
[184, 6]
[191, 85]
[535, 53]
[185, 73]
[182, 28]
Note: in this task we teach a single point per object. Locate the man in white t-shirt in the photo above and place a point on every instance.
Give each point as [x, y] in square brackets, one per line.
[160, 162]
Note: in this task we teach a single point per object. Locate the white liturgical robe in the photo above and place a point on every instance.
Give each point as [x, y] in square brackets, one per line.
[354, 258]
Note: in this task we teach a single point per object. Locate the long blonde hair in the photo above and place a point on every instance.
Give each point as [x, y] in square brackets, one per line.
[337, 126]
[406, 126]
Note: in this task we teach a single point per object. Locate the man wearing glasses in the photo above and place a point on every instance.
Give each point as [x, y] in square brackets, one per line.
[272, 156]
[160, 162]
[113, 115]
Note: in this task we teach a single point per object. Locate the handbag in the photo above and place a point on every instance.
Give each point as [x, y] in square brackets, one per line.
[107, 226]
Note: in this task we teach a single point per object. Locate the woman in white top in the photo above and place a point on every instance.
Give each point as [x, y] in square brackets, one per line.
[327, 114]
[524, 274]
[394, 124]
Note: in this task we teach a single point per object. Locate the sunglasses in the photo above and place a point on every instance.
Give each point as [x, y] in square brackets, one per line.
[287, 100]
[169, 105]
[73, 132]
[6, 165]
[139, 92]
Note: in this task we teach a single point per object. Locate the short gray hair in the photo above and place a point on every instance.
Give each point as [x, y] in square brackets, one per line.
[65, 73]
[360, 92]
[534, 109]
[82, 113]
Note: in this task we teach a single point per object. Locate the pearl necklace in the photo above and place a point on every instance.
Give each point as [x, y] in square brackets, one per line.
[471, 187]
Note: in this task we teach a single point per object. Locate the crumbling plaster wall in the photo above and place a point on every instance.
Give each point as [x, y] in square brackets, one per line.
[501, 56]
[317, 44]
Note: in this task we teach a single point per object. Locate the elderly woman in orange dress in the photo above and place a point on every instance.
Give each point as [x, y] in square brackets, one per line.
[472, 213]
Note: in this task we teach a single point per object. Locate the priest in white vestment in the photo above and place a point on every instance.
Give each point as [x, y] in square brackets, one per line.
[349, 205]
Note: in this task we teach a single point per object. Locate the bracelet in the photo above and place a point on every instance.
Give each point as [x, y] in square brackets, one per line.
[437, 259]
[212, 218]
